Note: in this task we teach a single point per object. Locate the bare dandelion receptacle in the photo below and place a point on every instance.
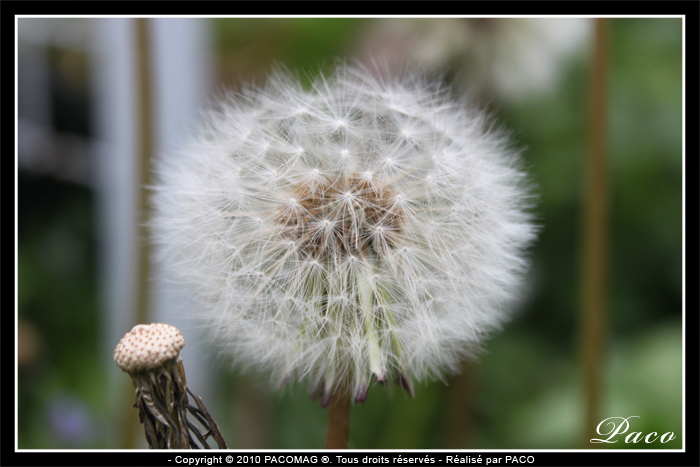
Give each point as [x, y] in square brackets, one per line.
[147, 347]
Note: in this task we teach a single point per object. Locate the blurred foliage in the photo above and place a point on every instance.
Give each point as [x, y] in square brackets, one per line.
[248, 46]
[57, 303]
[527, 384]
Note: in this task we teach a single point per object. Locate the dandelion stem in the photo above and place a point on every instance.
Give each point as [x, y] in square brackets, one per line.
[338, 421]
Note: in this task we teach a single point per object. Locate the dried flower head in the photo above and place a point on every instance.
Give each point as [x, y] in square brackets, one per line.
[151, 355]
[148, 346]
[365, 227]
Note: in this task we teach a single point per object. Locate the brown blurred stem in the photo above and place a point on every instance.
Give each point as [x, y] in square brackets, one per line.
[595, 251]
[459, 418]
[144, 133]
[338, 421]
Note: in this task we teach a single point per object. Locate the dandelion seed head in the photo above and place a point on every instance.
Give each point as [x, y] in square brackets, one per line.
[393, 263]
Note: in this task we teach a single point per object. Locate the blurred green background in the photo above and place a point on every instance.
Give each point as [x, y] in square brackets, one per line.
[526, 390]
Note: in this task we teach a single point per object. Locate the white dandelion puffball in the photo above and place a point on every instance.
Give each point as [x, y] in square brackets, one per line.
[368, 227]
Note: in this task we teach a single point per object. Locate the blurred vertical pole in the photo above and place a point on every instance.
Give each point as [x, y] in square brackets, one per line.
[595, 248]
[182, 77]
